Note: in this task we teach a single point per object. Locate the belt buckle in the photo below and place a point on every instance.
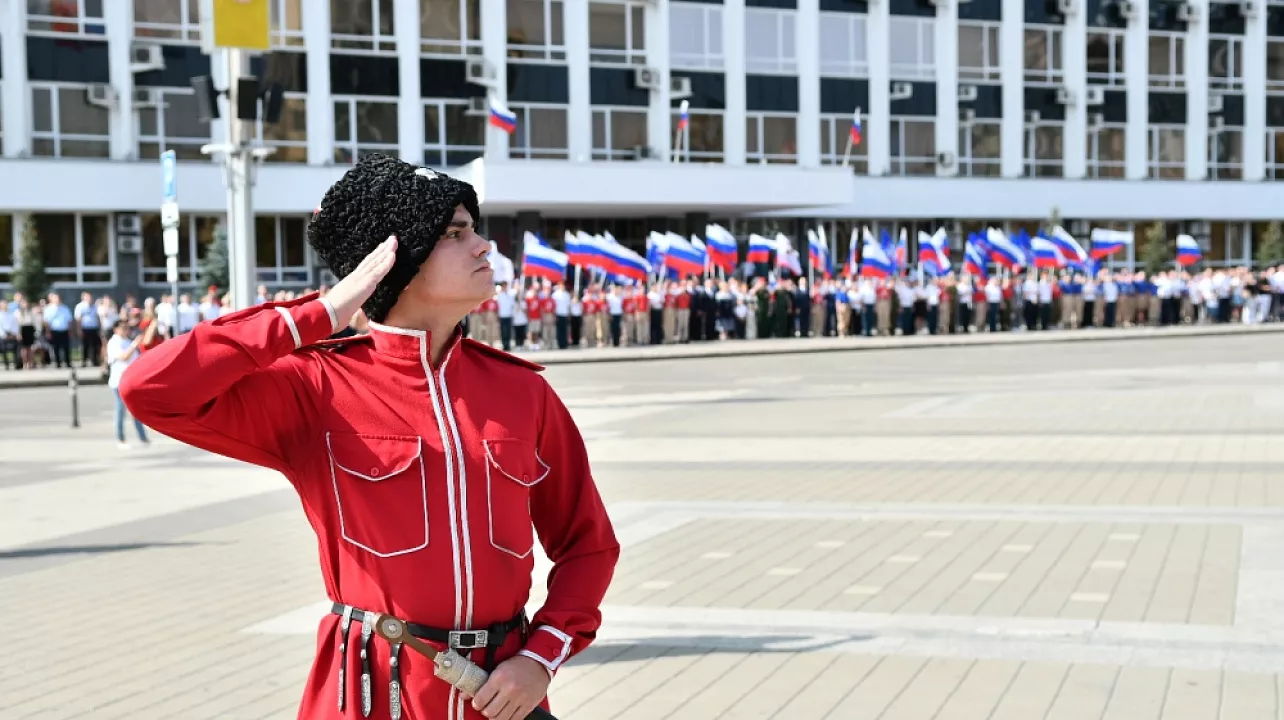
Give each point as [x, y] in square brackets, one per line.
[468, 639]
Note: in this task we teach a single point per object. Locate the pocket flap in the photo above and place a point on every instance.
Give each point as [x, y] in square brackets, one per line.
[517, 460]
[374, 457]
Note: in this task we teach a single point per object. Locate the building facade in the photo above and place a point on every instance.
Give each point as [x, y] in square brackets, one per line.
[983, 112]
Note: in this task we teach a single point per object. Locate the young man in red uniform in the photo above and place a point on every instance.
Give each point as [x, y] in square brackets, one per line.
[427, 464]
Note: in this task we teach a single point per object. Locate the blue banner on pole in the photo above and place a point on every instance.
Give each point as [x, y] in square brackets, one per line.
[169, 166]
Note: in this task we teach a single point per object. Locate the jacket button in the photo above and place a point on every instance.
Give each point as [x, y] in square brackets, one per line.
[526, 478]
[374, 472]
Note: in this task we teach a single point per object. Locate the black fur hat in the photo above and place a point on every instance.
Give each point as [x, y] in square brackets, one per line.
[383, 196]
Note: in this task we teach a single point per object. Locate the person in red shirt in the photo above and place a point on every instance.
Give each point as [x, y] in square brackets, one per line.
[548, 314]
[534, 321]
[642, 320]
[427, 464]
[628, 307]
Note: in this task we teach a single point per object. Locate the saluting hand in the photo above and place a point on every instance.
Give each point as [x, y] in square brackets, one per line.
[513, 690]
[350, 293]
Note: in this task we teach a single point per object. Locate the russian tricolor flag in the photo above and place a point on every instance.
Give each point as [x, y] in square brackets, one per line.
[1003, 251]
[853, 265]
[684, 115]
[502, 118]
[1071, 251]
[721, 244]
[874, 260]
[1188, 251]
[1046, 254]
[855, 131]
[1108, 242]
[682, 257]
[933, 253]
[974, 261]
[539, 260]
[759, 249]
[624, 262]
[818, 253]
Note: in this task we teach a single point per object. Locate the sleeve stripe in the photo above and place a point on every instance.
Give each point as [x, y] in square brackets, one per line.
[566, 643]
[334, 316]
[294, 329]
[543, 663]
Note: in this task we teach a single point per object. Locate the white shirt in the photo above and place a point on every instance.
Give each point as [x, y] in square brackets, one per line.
[868, 295]
[87, 314]
[1163, 288]
[115, 347]
[8, 323]
[615, 304]
[965, 293]
[1030, 291]
[561, 302]
[211, 310]
[1045, 292]
[187, 317]
[933, 295]
[1110, 291]
[507, 304]
[993, 293]
[166, 315]
[577, 308]
[1090, 291]
[905, 294]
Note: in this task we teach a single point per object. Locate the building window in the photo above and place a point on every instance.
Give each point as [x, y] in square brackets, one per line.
[1106, 150]
[64, 124]
[287, 23]
[450, 27]
[453, 135]
[541, 132]
[362, 25]
[281, 250]
[65, 17]
[1106, 57]
[363, 126]
[289, 135]
[617, 33]
[704, 135]
[835, 131]
[980, 146]
[168, 20]
[1043, 55]
[695, 36]
[979, 50]
[195, 232]
[1167, 60]
[1166, 152]
[769, 41]
[1225, 62]
[1226, 154]
[618, 133]
[535, 30]
[76, 249]
[842, 45]
[912, 42]
[1274, 167]
[1044, 150]
[771, 138]
[7, 259]
[171, 123]
[913, 143]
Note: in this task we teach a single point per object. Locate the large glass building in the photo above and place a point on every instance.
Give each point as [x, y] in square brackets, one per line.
[983, 112]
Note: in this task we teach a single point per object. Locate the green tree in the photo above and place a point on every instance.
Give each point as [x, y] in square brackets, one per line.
[1156, 256]
[29, 276]
[214, 266]
[1270, 248]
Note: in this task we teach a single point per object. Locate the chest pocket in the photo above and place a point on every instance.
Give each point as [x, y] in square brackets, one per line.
[381, 491]
[512, 469]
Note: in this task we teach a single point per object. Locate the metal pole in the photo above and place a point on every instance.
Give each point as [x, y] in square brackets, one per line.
[240, 202]
[73, 390]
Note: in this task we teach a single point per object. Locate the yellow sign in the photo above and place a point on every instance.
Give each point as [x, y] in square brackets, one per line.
[243, 24]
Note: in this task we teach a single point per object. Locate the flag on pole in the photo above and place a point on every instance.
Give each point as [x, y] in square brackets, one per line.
[1045, 253]
[539, 260]
[501, 117]
[1107, 242]
[1188, 250]
[855, 130]
[684, 115]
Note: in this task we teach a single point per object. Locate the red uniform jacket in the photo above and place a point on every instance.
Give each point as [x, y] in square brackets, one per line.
[426, 486]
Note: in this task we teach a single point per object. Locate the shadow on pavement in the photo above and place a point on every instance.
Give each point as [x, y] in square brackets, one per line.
[40, 552]
[687, 645]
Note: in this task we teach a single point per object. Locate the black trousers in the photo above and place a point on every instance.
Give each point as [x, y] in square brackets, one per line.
[933, 317]
[1110, 314]
[91, 346]
[657, 326]
[1045, 315]
[870, 324]
[577, 328]
[992, 316]
[506, 332]
[616, 321]
[519, 335]
[965, 318]
[60, 340]
[1089, 312]
[907, 321]
[1030, 311]
[563, 326]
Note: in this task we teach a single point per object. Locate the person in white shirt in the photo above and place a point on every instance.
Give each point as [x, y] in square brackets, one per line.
[965, 310]
[1030, 302]
[211, 308]
[9, 334]
[905, 298]
[188, 314]
[1090, 302]
[507, 310]
[1110, 295]
[615, 315]
[562, 313]
[121, 352]
[933, 292]
[1045, 301]
[993, 303]
[167, 316]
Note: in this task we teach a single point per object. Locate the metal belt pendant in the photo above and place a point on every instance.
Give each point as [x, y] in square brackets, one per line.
[367, 630]
[394, 682]
[344, 624]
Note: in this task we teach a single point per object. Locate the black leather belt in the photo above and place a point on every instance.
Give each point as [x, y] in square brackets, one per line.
[490, 637]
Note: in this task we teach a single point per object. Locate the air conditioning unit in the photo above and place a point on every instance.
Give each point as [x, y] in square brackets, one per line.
[1032, 117]
[679, 87]
[1187, 12]
[145, 57]
[967, 116]
[1065, 96]
[1067, 7]
[101, 95]
[129, 243]
[1094, 95]
[1250, 9]
[901, 91]
[1127, 9]
[647, 78]
[1216, 102]
[477, 106]
[146, 98]
[128, 224]
[945, 159]
[1096, 120]
[967, 93]
[479, 72]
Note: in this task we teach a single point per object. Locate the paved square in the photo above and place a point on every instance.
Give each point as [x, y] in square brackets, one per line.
[1079, 530]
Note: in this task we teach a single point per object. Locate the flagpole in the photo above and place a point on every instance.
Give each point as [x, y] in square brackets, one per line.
[847, 154]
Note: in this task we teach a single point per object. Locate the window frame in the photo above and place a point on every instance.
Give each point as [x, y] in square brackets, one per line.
[1098, 169]
[547, 50]
[444, 148]
[160, 139]
[525, 152]
[711, 24]
[12, 229]
[1231, 169]
[1234, 78]
[629, 56]
[276, 276]
[780, 63]
[760, 156]
[282, 37]
[80, 270]
[84, 26]
[1175, 79]
[451, 48]
[900, 162]
[991, 70]
[857, 62]
[705, 156]
[193, 271]
[56, 136]
[353, 145]
[259, 129]
[1274, 148]
[1032, 164]
[374, 44]
[924, 66]
[1053, 42]
[835, 129]
[1155, 167]
[1116, 75]
[609, 153]
[967, 161]
[186, 32]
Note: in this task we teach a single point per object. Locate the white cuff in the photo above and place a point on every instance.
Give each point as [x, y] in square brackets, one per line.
[544, 663]
[294, 329]
[334, 316]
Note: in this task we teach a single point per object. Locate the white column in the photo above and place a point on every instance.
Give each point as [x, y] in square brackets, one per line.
[733, 47]
[14, 98]
[1012, 74]
[1255, 95]
[806, 30]
[579, 117]
[1137, 63]
[118, 16]
[494, 34]
[410, 108]
[1074, 61]
[227, 111]
[878, 116]
[316, 39]
[1196, 66]
[947, 84]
